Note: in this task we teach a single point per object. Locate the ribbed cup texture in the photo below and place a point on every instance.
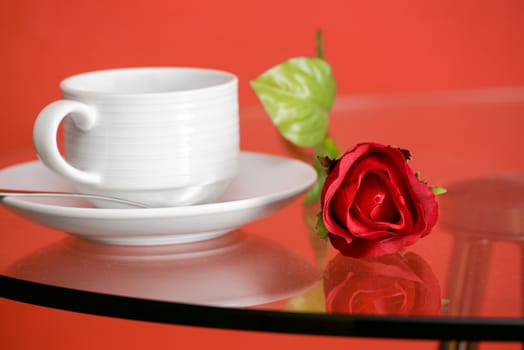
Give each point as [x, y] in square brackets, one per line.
[154, 138]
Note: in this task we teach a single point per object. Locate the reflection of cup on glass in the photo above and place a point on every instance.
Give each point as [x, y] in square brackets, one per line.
[162, 136]
[401, 284]
[238, 269]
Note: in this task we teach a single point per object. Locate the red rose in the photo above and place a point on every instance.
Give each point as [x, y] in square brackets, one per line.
[373, 204]
[393, 284]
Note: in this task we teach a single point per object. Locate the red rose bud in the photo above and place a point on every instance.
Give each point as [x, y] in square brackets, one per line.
[373, 204]
[391, 285]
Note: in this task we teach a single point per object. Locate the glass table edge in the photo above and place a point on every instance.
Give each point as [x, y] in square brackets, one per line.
[137, 309]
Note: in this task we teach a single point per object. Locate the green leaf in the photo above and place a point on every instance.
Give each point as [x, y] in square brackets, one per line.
[327, 148]
[320, 44]
[436, 190]
[321, 229]
[313, 195]
[298, 95]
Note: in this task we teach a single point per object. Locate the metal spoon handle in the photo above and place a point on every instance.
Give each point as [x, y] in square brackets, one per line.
[26, 193]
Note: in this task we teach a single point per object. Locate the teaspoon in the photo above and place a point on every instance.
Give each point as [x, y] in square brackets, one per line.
[24, 193]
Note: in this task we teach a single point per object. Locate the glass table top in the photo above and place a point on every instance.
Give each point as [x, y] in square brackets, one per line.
[462, 281]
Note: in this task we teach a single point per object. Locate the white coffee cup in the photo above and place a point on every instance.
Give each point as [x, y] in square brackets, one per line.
[163, 136]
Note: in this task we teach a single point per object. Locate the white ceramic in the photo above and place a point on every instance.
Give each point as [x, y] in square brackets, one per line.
[264, 185]
[162, 136]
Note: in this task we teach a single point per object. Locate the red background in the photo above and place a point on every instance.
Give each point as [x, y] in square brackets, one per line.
[374, 46]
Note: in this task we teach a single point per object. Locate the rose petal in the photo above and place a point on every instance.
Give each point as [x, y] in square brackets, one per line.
[394, 176]
[363, 227]
[393, 284]
[404, 222]
[340, 205]
[359, 223]
[389, 300]
[329, 190]
[373, 204]
[426, 206]
[432, 287]
[359, 248]
[374, 199]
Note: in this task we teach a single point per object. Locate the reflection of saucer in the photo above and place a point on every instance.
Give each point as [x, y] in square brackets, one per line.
[265, 184]
[237, 269]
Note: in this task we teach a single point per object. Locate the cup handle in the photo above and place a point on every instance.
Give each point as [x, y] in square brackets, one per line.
[45, 132]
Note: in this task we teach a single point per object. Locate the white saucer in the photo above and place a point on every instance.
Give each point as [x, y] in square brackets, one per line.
[265, 184]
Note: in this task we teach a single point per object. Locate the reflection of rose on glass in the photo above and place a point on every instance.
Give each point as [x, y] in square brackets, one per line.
[399, 284]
